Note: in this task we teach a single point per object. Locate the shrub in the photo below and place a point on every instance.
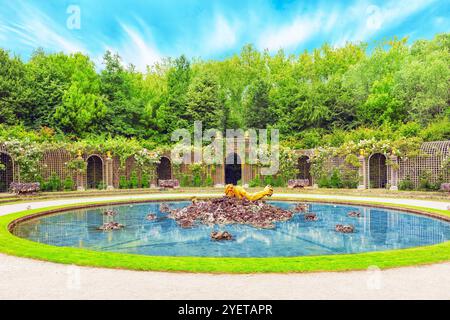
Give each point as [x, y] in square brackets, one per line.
[256, 182]
[68, 183]
[134, 182]
[209, 182]
[145, 181]
[335, 179]
[350, 178]
[268, 180]
[185, 181]
[424, 180]
[123, 183]
[406, 184]
[43, 184]
[197, 181]
[323, 182]
[101, 186]
[439, 181]
[54, 183]
[279, 182]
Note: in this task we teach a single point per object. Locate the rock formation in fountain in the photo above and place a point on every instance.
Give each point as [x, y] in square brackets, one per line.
[110, 213]
[230, 210]
[110, 226]
[345, 228]
[354, 214]
[311, 217]
[221, 235]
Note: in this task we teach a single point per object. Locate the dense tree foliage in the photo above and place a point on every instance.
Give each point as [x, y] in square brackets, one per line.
[82, 109]
[327, 96]
[13, 91]
[203, 102]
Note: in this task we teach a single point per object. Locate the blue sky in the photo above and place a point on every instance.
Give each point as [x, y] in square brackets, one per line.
[143, 32]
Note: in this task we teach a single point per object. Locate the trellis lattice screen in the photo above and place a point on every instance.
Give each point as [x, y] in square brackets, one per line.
[55, 162]
[431, 160]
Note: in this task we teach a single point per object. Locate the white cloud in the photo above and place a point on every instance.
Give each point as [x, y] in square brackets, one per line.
[288, 36]
[355, 23]
[330, 21]
[222, 36]
[299, 30]
[137, 49]
[34, 29]
[365, 19]
[397, 11]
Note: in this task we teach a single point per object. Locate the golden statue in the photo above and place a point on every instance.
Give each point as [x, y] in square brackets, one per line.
[239, 192]
[108, 154]
[79, 154]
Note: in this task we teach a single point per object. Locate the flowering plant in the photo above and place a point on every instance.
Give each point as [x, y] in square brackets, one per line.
[78, 165]
[27, 155]
[147, 160]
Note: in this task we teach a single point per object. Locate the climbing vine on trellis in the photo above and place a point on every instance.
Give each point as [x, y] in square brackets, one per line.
[446, 165]
[27, 156]
[147, 161]
[403, 148]
[77, 165]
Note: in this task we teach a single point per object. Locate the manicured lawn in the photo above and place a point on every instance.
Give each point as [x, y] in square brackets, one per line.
[6, 198]
[13, 245]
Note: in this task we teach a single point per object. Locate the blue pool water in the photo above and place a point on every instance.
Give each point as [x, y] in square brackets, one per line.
[376, 230]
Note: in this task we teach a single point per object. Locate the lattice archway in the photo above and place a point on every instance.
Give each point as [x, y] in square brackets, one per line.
[164, 169]
[432, 159]
[94, 171]
[378, 173]
[6, 171]
[233, 169]
[304, 168]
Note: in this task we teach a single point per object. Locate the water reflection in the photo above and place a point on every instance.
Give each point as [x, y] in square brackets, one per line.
[376, 229]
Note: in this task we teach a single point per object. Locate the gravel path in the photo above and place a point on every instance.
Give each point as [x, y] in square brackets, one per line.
[29, 279]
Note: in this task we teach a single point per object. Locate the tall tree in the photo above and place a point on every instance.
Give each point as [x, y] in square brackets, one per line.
[422, 83]
[203, 102]
[122, 89]
[258, 112]
[83, 108]
[173, 113]
[14, 93]
[49, 77]
[381, 105]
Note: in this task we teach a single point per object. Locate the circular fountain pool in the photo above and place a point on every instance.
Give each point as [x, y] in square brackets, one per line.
[375, 230]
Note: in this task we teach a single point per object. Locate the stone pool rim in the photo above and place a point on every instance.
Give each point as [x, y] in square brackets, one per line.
[13, 245]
